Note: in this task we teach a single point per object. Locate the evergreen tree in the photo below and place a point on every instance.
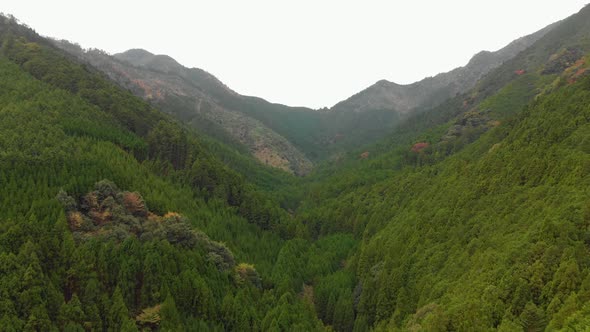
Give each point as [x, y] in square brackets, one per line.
[532, 318]
[171, 320]
[118, 313]
[71, 313]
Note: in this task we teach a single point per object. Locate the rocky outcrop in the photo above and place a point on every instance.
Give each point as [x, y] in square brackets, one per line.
[562, 60]
[469, 125]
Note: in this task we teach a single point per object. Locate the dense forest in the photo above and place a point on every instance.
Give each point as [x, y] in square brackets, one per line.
[473, 215]
[106, 203]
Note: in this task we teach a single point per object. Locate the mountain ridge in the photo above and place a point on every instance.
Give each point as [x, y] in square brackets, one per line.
[192, 95]
[431, 91]
[199, 98]
[162, 62]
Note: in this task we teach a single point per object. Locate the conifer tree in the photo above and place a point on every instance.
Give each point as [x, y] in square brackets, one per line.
[171, 320]
[118, 313]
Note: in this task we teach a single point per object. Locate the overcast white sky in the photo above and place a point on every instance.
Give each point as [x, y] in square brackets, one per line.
[303, 52]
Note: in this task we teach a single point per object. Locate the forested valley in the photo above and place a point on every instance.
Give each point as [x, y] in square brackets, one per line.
[472, 215]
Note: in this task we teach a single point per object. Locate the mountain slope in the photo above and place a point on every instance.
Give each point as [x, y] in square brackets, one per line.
[492, 237]
[484, 230]
[192, 96]
[140, 249]
[281, 136]
[432, 91]
[495, 98]
[487, 229]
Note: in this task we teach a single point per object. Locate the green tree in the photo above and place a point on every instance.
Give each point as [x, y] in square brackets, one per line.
[118, 313]
[532, 318]
[71, 313]
[171, 320]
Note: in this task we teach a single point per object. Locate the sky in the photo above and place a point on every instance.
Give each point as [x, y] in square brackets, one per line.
[311, 53]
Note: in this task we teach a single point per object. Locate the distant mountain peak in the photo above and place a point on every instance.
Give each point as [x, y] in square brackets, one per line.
[135, 55]
[384, 82]
[480, 58]
[137, 52]
[143, 58]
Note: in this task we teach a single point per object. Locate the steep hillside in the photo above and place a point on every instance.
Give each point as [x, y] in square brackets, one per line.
[112, 213]
[491, 236]
[506, 218]
[474, 217]
[195, 97]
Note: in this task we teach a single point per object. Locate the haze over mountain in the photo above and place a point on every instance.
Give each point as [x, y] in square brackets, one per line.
[280, 136]
[301, 53]
[200, 100]
[431, 91]
[131, 198]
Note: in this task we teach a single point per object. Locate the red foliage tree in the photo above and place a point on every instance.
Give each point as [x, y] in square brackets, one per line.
[419, 146]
